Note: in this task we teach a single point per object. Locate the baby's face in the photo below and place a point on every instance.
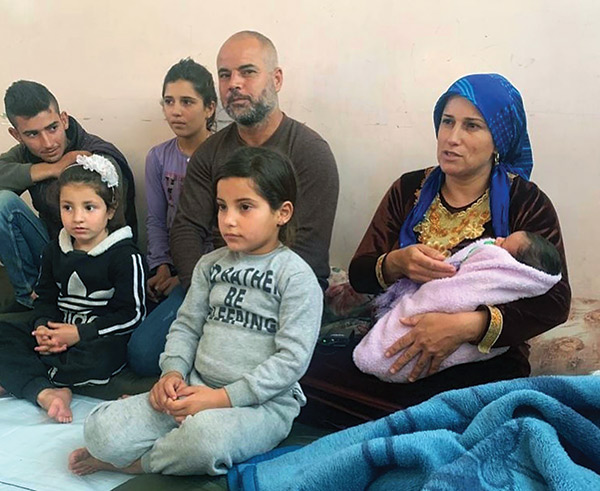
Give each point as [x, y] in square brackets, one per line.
[513, 243]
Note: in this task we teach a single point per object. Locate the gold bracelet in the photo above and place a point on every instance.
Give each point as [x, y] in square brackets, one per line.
[379, 271]
[493, 331]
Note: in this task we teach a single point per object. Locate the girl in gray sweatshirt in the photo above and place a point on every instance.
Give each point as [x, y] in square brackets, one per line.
[243, 337]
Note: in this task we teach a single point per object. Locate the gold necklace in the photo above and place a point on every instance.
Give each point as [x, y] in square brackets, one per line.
[443, 230]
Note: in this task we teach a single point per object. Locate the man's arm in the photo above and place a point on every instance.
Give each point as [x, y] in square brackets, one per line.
[191, 229]
[318, 189]
[17, 174]
[43, 170]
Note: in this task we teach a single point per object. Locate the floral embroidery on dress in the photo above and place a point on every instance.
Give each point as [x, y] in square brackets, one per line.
[428, 171]
[443, 230]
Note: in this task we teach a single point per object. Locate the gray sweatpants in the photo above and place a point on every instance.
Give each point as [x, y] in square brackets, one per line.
[209, 442]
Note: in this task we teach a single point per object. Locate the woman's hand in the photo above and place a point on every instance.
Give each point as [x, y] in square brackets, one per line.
[196, 398]
[434, 336]
[418, 262]
[165, 390]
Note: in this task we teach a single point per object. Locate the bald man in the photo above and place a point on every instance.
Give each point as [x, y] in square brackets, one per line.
[249, 82]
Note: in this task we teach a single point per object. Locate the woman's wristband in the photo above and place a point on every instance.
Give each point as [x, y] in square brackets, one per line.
[379, 271]
[494, 328]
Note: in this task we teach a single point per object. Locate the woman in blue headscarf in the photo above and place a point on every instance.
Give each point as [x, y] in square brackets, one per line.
[479, 189]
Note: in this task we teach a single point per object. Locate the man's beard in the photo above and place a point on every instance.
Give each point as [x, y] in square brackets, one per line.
[256, 112]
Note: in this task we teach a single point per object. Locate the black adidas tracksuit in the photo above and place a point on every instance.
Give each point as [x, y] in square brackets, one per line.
[102, 292]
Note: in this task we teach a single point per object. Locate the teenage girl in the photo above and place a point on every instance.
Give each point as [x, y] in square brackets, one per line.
[189, 102]
[241, 341]
[90, 297]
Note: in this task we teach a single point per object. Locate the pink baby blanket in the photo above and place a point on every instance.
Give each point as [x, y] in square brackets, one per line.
[487, 275]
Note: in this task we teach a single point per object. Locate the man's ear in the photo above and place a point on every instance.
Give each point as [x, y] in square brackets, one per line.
[286, 210]
[278, 78]
[15, 134]
[64, 119]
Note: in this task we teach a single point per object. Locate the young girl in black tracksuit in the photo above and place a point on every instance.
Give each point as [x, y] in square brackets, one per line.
[90, 297]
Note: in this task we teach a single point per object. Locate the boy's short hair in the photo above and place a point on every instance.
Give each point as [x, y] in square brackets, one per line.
[540, 254]
[25, 98]
[200, 78]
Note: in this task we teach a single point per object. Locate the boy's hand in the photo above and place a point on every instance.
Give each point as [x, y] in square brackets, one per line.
[55, 337]
[196, 398]
[165, 390]
[67, 159]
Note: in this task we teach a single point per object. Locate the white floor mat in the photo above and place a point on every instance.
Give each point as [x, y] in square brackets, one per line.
[34, 449]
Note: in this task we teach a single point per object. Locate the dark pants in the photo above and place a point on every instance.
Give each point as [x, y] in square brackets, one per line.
[148, 340]
[25, 374]
[22, 373]
[340, 395]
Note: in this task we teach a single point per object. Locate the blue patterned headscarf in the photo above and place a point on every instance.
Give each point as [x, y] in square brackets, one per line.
[500, 104]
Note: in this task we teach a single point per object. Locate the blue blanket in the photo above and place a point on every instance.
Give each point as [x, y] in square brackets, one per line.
[532, 433]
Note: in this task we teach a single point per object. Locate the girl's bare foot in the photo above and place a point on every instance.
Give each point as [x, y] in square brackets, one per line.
[2, 391]
[81, 462]
[57, 402]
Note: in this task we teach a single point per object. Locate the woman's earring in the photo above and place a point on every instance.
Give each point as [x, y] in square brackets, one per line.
[496, 156]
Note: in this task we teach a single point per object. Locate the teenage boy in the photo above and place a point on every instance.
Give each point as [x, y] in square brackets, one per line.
[49, 140]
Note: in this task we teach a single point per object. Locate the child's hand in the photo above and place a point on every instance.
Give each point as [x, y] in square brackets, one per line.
[55, 337]
[57, 334]
[195, 398]
[166, 390]
[167, 286]
[45, 346]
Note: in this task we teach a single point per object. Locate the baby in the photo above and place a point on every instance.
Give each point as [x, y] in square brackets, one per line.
[527, 248]
[489, 272]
